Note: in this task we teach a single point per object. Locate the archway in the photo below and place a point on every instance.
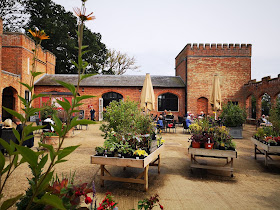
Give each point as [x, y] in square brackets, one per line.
[8, 101]
[111, 96]
[265, 104]
[202, 105]
[251, 106]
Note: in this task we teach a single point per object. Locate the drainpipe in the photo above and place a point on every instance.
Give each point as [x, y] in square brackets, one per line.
[186, 88]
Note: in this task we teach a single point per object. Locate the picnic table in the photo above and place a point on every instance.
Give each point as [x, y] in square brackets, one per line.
[142, 178]
[212, 153]
[267, 150]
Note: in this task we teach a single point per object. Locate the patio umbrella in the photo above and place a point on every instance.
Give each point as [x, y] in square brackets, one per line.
[216, 98]
[147, 95]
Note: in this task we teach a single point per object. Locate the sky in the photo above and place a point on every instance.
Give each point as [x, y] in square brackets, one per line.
[155, 31]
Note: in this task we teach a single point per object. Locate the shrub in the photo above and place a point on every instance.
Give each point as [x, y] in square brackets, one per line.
[233, 115]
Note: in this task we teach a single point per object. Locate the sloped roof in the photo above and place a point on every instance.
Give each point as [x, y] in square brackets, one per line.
[111, 80]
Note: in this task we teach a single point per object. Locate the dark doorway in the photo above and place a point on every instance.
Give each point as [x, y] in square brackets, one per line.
[8, 101]
[111, 96]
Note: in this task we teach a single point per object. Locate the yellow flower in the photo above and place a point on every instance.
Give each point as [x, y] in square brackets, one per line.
[81, 13]
[39, 35]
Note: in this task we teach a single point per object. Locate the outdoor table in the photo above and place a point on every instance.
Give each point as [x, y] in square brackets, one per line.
[142, 178]
[267, 150]
[212, 153]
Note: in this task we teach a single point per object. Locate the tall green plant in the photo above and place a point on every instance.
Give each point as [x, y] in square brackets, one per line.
[37, 161]
[233, 115]
[275, 118]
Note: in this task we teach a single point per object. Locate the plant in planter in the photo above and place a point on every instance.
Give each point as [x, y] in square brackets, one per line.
[140, 154]
[50, 138]
[99, 151]
[233, 117]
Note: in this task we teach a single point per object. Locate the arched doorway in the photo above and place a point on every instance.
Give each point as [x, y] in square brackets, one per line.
[8, 101]
[202, 105]
[111, 96]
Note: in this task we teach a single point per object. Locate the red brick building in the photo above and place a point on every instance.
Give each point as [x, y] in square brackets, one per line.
[197, 64]
[169, 91]
[15, 66]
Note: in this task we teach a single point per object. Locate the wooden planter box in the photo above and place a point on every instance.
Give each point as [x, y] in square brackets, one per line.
[212, 153]
[267, 150]
[142, 178]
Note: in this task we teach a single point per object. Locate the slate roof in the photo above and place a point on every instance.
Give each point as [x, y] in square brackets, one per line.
[112, 80]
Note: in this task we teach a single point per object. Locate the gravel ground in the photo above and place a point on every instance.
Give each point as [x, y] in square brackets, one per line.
[253, 186]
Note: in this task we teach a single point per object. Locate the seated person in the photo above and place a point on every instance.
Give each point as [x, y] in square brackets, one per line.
[7, 133]
[188, 121]
[29, 142]
[49, 120]
[160, 122]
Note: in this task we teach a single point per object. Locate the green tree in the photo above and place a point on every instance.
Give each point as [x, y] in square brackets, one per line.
[61, 26]
[11, 12]
[266, 104]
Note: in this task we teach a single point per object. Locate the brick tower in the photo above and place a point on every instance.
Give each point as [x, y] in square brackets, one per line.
[197, 64]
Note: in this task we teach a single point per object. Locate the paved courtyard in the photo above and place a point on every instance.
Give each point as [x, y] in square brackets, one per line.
[253, 186]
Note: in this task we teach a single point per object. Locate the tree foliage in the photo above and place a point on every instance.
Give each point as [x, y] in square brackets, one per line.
[11, 12]
[61, 26]
[118, 63]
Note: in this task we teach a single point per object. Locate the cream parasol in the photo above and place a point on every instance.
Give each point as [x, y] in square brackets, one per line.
[147, 95]
[216, 98]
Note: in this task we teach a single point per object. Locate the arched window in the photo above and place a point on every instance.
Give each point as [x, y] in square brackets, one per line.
[111, 96]
[168, 101]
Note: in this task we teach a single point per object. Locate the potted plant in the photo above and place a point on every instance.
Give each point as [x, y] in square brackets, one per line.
[50, 138]
[140, 154]
[99, 151]
[233, 117]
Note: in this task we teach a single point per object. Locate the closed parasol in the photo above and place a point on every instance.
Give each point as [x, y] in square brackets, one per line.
[216, 98]
[147, 95]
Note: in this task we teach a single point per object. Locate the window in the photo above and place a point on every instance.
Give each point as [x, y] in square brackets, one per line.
[111, 96]
[168, 101]
[233, 102]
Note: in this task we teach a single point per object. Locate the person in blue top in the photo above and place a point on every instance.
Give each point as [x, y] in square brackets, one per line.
[160, 122]
[188, 121]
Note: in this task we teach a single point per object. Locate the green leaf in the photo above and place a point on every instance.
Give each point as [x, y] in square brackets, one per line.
[50, 148]
[66, 151]
[79, 98]
[58, 125]
[68, 86]
[74, 63]
[84, 76]
[2, 162]
[29, 155]
[84, 47]
[43, 162]
[38, 96]
[23, 100]
[51, 200]
[35, 74]
[77, 105]
[45, 183]
[8, 203]
[60, 161]
[16, 160]
[26, 85]
[14, 113]
[84, 52]
[6, 146]
[65, 105]
[16, 133]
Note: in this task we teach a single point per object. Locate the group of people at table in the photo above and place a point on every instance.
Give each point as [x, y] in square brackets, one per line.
[166, 119]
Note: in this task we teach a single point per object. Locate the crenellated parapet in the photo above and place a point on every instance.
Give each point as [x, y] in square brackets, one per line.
[220, 50]
[265, 81]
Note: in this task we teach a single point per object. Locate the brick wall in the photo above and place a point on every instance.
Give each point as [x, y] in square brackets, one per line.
[257, 89]
[132, 93]
[232, 63]
[16, 60]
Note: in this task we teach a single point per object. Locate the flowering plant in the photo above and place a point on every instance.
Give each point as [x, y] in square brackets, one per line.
[69, 193]
[150, 203]
[107, 203]
[140, 152]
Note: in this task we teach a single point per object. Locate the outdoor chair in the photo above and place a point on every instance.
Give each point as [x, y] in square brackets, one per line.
[171, 125]
[180, 120]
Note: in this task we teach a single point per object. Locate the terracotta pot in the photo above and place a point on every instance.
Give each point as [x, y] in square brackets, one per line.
[209, 145]
[51, 140]
[195, 144]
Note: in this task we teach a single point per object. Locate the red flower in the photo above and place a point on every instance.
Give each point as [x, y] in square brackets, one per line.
[88, 200]
[161, 207]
